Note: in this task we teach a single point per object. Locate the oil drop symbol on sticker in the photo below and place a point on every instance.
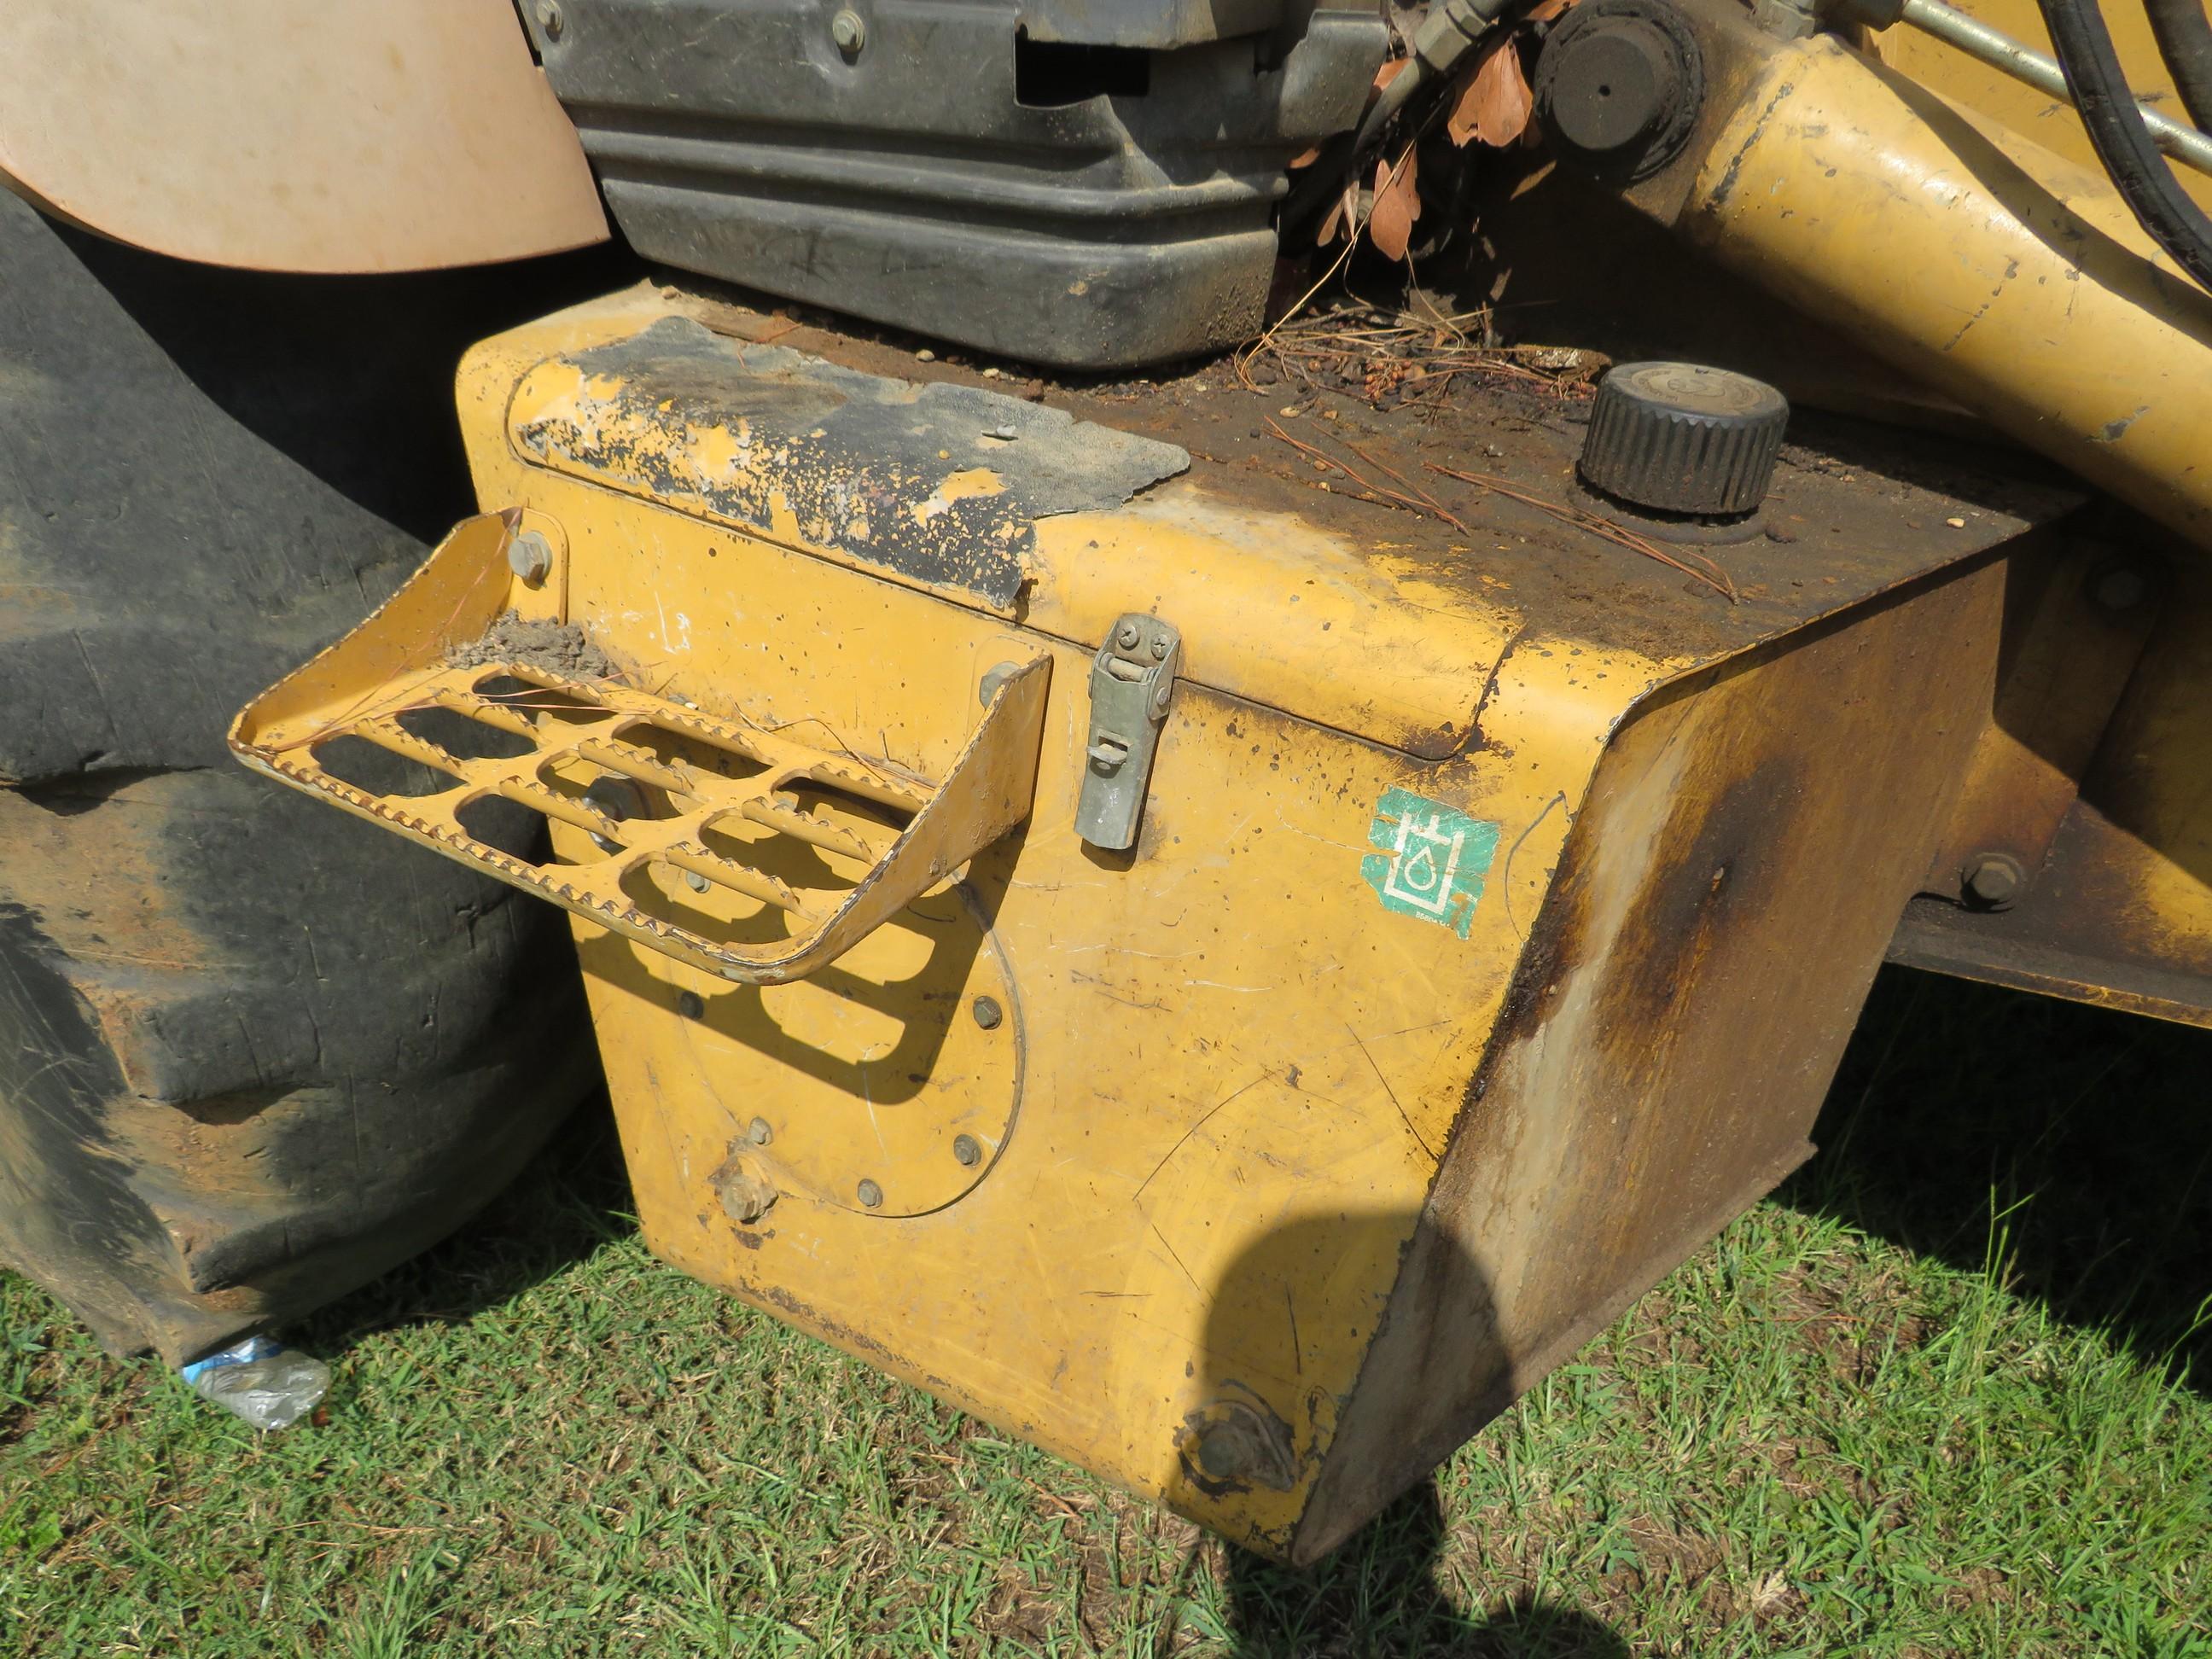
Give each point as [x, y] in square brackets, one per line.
[1429, 859]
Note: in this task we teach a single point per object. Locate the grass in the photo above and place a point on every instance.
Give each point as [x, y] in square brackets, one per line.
[1934, 1398]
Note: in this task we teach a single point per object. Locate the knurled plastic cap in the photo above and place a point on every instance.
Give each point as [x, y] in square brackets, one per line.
[1683, 438]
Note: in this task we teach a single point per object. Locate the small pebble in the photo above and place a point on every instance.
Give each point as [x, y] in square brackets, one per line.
[990, 373]
[1956, 524]
[925, 355]
[1005, 432]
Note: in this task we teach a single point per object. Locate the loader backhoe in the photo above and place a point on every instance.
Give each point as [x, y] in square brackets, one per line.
[1220, 917]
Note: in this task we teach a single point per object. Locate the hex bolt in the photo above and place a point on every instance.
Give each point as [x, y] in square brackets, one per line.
[1993, 880]
[759, 1132]
[847, 32]
[2122, 589]
[550, 19]
[967, 1151]
[988, 1012]
[530, 555]
[1223, 1452]
[690, 1004]
[616, 797]
[871, 1196]
[746, 1195]
[995, 677]
[1128, 635]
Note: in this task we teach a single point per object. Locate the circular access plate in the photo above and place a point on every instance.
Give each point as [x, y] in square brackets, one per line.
[894, 1073]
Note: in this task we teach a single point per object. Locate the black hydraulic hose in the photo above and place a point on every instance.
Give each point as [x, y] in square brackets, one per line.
[2184, 41]
[2083, 47]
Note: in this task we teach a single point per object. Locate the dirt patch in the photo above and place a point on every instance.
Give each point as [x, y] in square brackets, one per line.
[1017, 1609]
[1977, 1587]
[558, 648]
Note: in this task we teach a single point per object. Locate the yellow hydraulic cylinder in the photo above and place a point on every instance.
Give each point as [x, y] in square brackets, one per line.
[1968, 258]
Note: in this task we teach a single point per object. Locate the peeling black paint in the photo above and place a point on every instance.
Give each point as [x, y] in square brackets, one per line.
[860, 461]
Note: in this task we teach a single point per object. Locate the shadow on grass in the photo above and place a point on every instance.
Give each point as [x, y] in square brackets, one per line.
[572, 1198]
[2071, 1144]
[1382, 1592]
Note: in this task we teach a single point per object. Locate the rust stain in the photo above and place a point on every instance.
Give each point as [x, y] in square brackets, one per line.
[939, 483]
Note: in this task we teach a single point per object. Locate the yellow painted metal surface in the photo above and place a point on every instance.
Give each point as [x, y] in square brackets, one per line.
[712, 812]
[1974, 260]
[1223, 1039]
[2044, 121]
[2118, 906]
[1126, 1151]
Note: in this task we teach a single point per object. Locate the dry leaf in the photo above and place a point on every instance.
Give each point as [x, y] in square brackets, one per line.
[1389, 71]
[1341, 212]
[1495, 104]
[1304, 158]
[1545, 10]
[1397, 204]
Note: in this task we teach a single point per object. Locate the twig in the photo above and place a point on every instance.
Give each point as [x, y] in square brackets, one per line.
[1434, 505]
[1710, 574]
[1375, 492]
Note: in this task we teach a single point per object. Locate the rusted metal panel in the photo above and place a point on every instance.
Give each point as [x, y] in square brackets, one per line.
[1437, 598]
[2078, 611]
[1687, 990]
[2116, 908]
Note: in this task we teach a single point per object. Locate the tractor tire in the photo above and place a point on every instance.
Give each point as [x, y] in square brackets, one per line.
[253, 1052]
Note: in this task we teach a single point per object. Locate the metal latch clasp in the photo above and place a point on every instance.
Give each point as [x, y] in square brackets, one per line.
[1132, 678]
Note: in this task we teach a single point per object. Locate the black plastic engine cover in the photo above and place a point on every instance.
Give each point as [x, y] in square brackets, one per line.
[1083, 185]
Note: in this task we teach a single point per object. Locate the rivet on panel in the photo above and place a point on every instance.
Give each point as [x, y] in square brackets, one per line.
[967, 1151]
[988, 1012]
[871, 1196]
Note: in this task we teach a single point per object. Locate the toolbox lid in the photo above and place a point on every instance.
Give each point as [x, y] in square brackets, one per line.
[1382, 611]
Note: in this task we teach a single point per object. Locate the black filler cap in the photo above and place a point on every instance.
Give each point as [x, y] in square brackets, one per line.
[1683, 438]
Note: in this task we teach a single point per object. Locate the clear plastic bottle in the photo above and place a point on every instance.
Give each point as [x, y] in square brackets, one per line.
[260, 1381]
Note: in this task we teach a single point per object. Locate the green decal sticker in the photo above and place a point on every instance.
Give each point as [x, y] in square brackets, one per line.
[1430, 861]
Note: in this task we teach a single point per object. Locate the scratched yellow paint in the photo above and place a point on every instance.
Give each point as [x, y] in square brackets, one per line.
[2036, 301]
[1213, 1054]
